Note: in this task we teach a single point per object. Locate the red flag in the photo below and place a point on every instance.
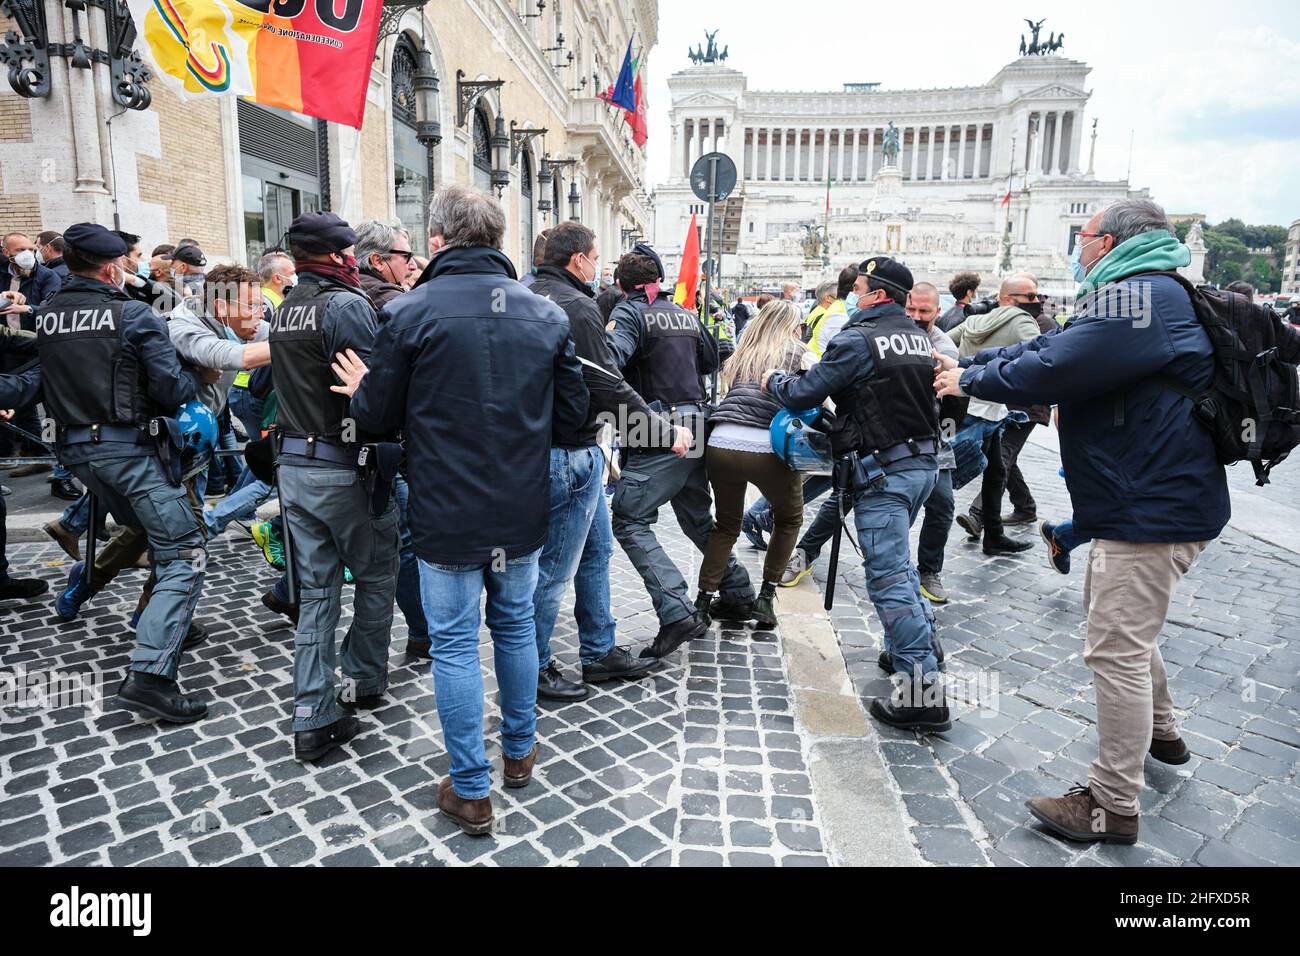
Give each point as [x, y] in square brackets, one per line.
[640, 128]
[688, 276]
[1006, 200]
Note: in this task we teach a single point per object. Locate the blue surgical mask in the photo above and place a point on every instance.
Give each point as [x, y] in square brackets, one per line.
[851, 302]
[1076, 264]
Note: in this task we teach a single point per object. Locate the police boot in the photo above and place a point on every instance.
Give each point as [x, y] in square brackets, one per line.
[703, 601]
[314, 744]
[161, 697]
[674, 635]
[765, 607]
[915, 705]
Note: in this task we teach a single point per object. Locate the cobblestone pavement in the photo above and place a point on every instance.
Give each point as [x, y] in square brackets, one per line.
[1232, 650]
[701, 764]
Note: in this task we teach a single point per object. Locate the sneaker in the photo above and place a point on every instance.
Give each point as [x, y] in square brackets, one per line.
[797, 569]
[68, 604]
[932, 588]
[1058, 559]
[264, 535]
[753, 532]
[973, 527]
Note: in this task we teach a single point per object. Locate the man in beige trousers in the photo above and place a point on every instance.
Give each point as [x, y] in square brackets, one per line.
[1144, 481]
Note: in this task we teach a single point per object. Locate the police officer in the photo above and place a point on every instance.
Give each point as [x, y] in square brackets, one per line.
[109, 368]
[664, 351]
[880, 372]
[323, 495]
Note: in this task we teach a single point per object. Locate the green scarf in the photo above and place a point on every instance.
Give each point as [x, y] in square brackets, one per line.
[1154, 251]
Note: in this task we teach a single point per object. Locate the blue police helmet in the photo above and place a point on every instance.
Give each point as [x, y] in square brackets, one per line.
[802, 448]
[198, 436]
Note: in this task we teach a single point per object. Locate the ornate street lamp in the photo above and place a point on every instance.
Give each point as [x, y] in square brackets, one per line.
[500, 157]
[544, 179]
[575, 201]
[518, 137]
[425, 82]
[468, 93]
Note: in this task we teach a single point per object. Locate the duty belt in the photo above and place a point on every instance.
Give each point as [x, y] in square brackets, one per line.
[321, 449]
[128, 434]
[908, 449]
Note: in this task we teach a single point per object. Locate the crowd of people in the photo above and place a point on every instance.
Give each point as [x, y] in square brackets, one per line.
[439, 430]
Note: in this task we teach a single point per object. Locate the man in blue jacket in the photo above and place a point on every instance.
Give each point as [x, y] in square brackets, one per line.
[1144, 481]
[478, 372]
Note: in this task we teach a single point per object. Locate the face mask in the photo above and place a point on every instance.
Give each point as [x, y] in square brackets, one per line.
[1035, 309]
[40, 257]
[594, 282]
[291, 281]
[25, 260]
[142, 270]
[851, 302]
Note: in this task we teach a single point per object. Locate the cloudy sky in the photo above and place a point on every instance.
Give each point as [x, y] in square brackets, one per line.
[1211, 90]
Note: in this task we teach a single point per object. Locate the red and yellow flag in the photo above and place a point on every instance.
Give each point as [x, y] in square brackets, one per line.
[688, 276]
[308, 56]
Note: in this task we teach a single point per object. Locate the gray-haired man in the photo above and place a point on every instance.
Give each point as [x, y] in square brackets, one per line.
[384, 257]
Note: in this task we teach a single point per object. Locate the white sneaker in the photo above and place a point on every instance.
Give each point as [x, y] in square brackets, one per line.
[796, 570]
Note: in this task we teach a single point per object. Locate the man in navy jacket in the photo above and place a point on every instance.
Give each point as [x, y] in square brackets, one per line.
[478, 372]
[1144, 481]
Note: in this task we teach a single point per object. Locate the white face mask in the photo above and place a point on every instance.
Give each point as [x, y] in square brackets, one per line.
[25, 260]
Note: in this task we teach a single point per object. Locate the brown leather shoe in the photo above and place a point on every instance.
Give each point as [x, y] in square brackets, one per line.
[64, 538]
[519, 773]
[1078, 816]
[472, 816]
[1170, 751]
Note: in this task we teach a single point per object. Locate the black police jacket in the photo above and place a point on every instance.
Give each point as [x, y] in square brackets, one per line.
[319, 318]
[479, 373]
[880, 373]
[107, 359]
[612, 398]
[663, 349]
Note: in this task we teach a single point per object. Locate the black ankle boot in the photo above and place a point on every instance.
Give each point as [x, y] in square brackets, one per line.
[703, 600]
[765, 607]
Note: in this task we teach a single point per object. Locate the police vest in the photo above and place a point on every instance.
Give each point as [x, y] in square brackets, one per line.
[897, 402]
[306, 406]
[666, 367]
[89, 376]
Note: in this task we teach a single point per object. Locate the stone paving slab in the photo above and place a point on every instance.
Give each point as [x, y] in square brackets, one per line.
[1013, 635]
[703, 763]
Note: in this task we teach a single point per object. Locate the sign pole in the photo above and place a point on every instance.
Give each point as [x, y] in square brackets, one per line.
[708, 270]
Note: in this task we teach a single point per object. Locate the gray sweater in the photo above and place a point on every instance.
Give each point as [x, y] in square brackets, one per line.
[202, 341]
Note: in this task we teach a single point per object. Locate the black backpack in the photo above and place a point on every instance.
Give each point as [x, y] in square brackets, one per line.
[1252, 407]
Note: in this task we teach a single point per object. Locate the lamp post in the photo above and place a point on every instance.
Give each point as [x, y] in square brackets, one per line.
[550, 165]
[500, 157]
[575, 201]
[544, 180]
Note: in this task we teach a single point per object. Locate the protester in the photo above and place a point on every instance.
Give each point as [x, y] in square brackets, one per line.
[49, 253]
[1131, 325]
[1010, 323]
[479, 373]
[185, 267]
[16, 391]
[789, 290]
[384, 257]
[740, 454]
[962, 287]
[34, 284]
[539, 257]
[581, 541]
[276, 270]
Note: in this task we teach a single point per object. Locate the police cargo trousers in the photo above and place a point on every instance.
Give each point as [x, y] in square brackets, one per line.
[884, 516]
[1126, 593]
[141, 497]
[327, 514]
[650, 481]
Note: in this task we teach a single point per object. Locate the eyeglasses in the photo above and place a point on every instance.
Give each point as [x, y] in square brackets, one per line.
[1027, 296]
[406, 254]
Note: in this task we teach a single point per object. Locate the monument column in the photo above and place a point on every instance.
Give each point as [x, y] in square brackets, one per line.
[853, 158]
[871, 151]
[947, 142]
[782, 147]
[771, 145]
[1058, 127]
[961, 152]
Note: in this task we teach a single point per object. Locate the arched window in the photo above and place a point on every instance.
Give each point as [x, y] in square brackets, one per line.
[482, 172]
[412, 173]
[526, 208]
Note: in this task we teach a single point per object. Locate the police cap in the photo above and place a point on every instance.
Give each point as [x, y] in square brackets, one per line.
[641, 249]
[94, 241]
[888, 272]
[320, 233]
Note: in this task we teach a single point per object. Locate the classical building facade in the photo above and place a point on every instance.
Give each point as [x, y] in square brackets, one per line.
[1291, 261]
[232, 174]
[939, 204]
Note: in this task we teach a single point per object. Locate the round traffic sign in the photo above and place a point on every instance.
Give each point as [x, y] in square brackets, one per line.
[716, 166]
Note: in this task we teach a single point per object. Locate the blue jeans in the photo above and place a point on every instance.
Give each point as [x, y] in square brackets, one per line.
[247, 409]
[1065, 536]
[814, 486]
[408, 569]
[884, 516]
[578, 549]
[451, 596]
[240, 504]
